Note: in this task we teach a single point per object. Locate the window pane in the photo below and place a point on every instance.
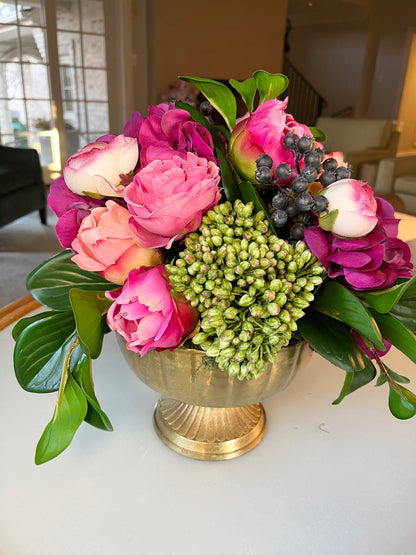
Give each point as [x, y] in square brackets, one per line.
[97, 114]
[92, 16]
[7, 12]
[74, 142]
[39, 114]
[33, 44]
[96, 84]
[30, 13]
[75, 117]
[94, 51]
[69, 48]
[9, 140]
[36, 81]
[12, 116]
[10, 81]
[67, 15]
[9, 44]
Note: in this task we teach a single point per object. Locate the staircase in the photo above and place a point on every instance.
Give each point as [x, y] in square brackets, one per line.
[305, 103]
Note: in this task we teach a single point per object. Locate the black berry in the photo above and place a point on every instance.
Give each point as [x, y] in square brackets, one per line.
[283, 171]
[299, 184]
[320, 204]
[291, 141]
[330, 165]
[280, 200]
[312, 158]
[297, 232]
[327, 178]
[264, 175]
[342, 173]
[205, 108]
[305, 144]
[279, 218]
[264, 160]
[310, 174]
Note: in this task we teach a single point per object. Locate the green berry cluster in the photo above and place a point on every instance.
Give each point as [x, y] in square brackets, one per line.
[249, 286]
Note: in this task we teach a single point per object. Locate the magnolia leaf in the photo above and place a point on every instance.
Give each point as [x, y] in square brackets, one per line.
[318, 134]
[249, 194]
[393, 375]
[247, 90]
[51, 282]
[90, 309]
[397, 333]
[81, 371]
[333, 340]
[402, 402]
[327, 221]
[23, 323]
[355, 380]
[69, 413]
[383, 300]
[336, 301]
[270, 85]
[219, 96]
[41, 349]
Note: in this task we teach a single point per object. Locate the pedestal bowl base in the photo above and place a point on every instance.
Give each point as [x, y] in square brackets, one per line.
[209, 433]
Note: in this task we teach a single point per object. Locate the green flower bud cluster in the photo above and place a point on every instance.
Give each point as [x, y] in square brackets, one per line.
[249, 286]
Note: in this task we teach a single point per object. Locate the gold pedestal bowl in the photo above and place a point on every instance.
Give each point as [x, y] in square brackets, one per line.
[204, 413]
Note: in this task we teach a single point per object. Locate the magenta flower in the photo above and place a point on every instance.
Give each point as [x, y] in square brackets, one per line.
[70, 208]
[148, 315]
[167, 198]
[373, 261]
[262, 133]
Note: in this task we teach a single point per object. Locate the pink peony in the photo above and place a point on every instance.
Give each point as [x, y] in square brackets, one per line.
[373, 261]
[167, 198]
[105, 244]
[148, 315]
[351, 210]
[100, 168]
[263, 133]
[70, 208]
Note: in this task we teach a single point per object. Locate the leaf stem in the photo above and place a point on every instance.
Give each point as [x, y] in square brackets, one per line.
[64, 376]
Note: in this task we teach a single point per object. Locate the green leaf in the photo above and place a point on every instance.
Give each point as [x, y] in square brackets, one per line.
[69, 414]
[90, 309]
[405, 309]
[402, 402]
[81, 370]
[397, 333]
[318, 134]
[51, 282]
[383, 300]
[336, 301]
[23, 323]
[355, 380]
[270, 85]
[327, 221]
[250, 194]
[333, 340]
[41, 349]
[247, 90]
[228, 181]
[393, 375]
[219, 96]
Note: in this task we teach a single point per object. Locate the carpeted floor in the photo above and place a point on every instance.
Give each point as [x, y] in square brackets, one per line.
[24, 244]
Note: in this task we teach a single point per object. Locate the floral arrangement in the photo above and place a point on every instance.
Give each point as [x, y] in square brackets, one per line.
[237, 238]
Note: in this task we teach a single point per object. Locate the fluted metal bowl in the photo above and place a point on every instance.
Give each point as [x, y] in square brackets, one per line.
[204, 413]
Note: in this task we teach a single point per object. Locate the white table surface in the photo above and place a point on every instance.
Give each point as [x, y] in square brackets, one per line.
[325, 479]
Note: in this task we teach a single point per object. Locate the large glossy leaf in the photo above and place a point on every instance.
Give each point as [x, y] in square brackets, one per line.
[90, 309]
[219, 96]
[51, 282]
[383, 300]
[336, 301]
[270, 85]
[70, 412]
[397, 333]
[23, 323]
[247, 90]
[402, 402]
[249, 194]
[355, 380]
[41, 349]
[81, 370]
[332, 340]
[405, 308]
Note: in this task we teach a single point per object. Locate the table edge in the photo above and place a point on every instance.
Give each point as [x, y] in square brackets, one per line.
[13, 311]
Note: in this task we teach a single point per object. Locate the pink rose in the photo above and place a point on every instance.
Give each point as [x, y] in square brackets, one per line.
[100, 168]
[148, 315]
[105, 244]
[352, 208]
[167, 198]
[263, 133]
[169, 131]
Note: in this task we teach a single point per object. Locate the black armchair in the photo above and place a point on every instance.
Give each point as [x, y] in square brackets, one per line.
[22, 189]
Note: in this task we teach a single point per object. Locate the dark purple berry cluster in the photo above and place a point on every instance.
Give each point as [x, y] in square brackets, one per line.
[286, 189]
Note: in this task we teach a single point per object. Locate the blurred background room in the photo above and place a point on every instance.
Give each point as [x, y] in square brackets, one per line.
[73, 70]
